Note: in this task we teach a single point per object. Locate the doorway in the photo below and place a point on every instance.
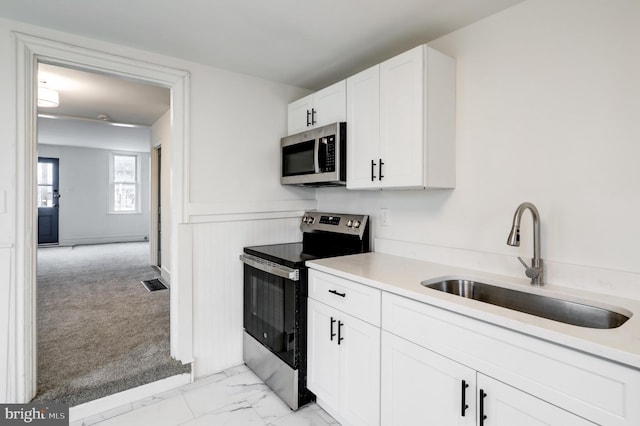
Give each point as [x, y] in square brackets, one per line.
[48, 182]
[30, 51]
[93, 314]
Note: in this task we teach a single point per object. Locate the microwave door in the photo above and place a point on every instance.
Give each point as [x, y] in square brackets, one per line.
[299, 159]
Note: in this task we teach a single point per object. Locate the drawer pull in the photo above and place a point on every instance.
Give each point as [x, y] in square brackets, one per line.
[464, 405]
[340, 338]
[337, 293]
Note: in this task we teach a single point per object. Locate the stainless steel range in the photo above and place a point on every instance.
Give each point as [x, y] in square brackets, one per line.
[275, 299]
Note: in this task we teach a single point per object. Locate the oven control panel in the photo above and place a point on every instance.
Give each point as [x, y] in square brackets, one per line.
[351, 224]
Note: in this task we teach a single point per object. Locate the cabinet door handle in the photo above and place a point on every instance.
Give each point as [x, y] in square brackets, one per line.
[333, 320]
[463, 404]
[483, 417]
[313, 116]
[308, 118]
[340, 338]
[373, 168]
[337, 293]
[380, 175]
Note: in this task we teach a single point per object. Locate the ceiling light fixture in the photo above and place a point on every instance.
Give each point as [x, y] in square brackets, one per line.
[48, 98]
[99, 119]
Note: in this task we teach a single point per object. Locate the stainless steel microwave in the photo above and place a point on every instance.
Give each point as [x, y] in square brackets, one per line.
[316, 157]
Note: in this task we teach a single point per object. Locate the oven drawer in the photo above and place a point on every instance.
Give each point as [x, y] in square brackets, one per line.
[348, 296]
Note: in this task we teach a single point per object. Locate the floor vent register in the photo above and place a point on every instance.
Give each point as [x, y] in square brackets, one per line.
[153, 285]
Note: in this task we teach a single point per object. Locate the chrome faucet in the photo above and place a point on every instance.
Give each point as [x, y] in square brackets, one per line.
[535, 270]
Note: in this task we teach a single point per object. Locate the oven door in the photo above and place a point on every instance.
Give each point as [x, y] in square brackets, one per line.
[272, 307]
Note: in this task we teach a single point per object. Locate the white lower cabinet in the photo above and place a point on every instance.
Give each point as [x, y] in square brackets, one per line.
[420, 387]
[502, 405]
[344, 364]
[377, 358]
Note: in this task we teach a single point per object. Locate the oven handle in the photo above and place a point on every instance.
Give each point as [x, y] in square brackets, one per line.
[270, 267]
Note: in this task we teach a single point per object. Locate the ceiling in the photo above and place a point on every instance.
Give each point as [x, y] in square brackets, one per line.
[87, 95]
[308, 44]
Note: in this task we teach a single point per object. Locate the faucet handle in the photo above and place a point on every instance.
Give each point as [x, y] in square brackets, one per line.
[531, 272]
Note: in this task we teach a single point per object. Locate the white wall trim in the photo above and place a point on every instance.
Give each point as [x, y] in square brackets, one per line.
[247, 210]
[30, 50]
[153, 201]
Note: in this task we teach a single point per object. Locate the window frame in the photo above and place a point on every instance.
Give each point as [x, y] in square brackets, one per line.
[113, 183]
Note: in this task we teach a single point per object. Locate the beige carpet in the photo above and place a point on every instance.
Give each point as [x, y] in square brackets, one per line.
[99, 330]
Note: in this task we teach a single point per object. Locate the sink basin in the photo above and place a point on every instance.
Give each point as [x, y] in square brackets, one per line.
[568, 312]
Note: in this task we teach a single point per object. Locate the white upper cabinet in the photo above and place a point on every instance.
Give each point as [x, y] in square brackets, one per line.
[363, 112]
[317, 109]
[401, 123]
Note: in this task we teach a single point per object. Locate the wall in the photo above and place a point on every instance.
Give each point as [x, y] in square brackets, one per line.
[232, 163]
[84, 203]
[548, 100]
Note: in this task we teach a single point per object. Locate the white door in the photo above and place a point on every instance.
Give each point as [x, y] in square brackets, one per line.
[322, 353]
[422, 387]
[299, 115]
[359, 371]
[402, 117]
[363, 129]
[503, 405]
[330, 104]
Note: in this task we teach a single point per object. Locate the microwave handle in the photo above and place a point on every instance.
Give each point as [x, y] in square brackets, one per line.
[316, 159]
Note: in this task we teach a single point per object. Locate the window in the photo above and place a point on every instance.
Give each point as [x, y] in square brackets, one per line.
[124, 194]
[45, 184]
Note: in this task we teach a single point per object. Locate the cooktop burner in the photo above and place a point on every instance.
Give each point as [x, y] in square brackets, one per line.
[291, 255]
[323, 235]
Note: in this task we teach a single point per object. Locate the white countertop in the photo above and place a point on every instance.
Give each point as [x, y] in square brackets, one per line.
[402, 276]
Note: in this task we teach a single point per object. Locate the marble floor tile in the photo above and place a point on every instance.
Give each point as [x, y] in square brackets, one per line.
[269, 406]
[305, 416]
[219, 394]
[169, 412]
[233, 397]
[239, 413]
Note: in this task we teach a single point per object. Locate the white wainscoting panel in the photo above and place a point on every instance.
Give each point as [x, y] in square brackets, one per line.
[7, 327]
[217, 285]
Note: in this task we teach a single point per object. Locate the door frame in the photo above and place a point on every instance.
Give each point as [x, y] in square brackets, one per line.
[154, 241]
[31, 50]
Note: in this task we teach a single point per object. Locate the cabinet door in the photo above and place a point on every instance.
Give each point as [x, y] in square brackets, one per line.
[506, 406]
[330, 104]
[359, 372]
[402, 118]
[297, 119]
[363, 129]
[322, 353]
[422, 387]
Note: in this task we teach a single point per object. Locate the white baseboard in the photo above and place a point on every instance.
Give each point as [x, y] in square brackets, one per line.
[111, 402]
[103, 239]
[165, 274]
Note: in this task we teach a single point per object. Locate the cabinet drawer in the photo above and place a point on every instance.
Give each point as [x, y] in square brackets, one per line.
[583, 384]
[353, 298]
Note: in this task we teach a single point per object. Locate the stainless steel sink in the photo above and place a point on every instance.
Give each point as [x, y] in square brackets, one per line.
[574, 313]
